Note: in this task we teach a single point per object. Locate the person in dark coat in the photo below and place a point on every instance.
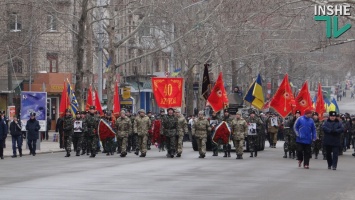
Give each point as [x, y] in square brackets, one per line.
[49, 125]
[59, 128]
[6, 119]
[332, 139]
[3, 133]
[32, 128]
[15, 131]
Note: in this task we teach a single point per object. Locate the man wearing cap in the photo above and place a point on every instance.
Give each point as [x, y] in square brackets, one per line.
[332, 134]
[290, 136]
[200, 129]
[273, 124]
[92, 123]
[68, 128]
[169, 130]
[182, 129]
[132, 138]
[32, 128]
[317, 144]
[228, 119]
[305, 134]
[254, 139]
[78, 133]
[141, 126]
[239, 129]
[149, 141]
[84, 144]
[124, 129]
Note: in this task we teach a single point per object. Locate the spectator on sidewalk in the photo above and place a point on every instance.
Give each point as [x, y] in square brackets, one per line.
[49, 124]
[16, 134]
[59, 128]
[3, 133]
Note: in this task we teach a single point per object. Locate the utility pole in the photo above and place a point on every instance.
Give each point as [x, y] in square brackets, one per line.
[100, 50]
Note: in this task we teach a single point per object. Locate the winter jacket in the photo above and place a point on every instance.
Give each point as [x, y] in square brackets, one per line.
[32, 128]
[3, 129]
[15, 129]
[332, 132]
[305, 130]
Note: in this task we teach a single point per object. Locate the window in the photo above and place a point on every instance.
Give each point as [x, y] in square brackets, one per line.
[52, 62]
[51, 23]
[15, 22]
[17, 65]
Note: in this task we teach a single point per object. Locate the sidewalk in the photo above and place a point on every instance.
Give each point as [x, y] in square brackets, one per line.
[47, 146]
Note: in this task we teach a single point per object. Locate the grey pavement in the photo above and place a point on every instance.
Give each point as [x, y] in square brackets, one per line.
[269, 176]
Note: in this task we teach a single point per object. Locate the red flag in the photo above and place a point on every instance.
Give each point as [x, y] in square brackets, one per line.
[283, 98]
[222, 133]
[303, 99]
[64, 101]
[116, 101]
[168, 91]
[89, 100]
[218, 97]
[320, 109]
[105, 130]
[98, 104]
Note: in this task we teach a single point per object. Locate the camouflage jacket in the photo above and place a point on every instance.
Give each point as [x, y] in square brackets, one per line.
[182, 126]
[92, 123]
[68, 125]
[319, 130]
[123, 127]
[201, 128]
[257, 121]
[169, 125]
[142, 125]
[239, 129]
[272, 129]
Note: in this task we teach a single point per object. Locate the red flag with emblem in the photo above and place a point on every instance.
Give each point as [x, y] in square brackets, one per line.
[116, 101]
[303, 99]
[64, 101]
[98, 104]
[320, 108]
[105, 131]
[221, 134]
[218, 97]
[89, 101]
[283, 99]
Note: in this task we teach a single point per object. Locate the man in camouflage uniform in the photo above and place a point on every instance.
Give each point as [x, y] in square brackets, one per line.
[273, 130]
[141, 126]
[317, 144]
[169, 124]
[68, 128]
[182, 129]
[132, 138]
[151, 117]
[200, 129]
[290, 136]
[214, 121]
[78, 134]
[227, 147]
[239, 131]
[109, 143]
[84, 144]
[254, 139]
[124, 129]
[92, 123]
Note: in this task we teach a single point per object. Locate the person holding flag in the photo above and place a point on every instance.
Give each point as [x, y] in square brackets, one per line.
[68, 130]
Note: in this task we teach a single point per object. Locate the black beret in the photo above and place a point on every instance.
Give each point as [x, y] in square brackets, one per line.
[171, 109]
[333, 113]
[252, 112]
[149, 112]
[92, 107]
[298, 111]
[32, 114]
[83, 112]
[315, 114]
[162, 110]
[226, 110]
[77, 112]
[67, 110]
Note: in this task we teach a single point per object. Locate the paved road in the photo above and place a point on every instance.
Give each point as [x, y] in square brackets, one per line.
[51, 176]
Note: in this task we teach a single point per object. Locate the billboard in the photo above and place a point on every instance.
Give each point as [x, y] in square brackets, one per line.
[34, 102]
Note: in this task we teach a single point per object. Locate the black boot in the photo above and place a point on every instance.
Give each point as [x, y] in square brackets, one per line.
[316, 156]
[285, 156]
[229, 153]
[93, 154]
[13, 156]
[215, 153]
[289, 155]
[20, 152]
[68, 154]
[77, 153]
[142, 155]
[108, 153]
[255, 153]
[83, 152]
[293, 155]
[123, 154]
[251, 154]
[136, 152]
[225, 154]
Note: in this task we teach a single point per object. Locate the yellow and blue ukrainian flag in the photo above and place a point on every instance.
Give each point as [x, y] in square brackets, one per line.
[73, 102]
[255, 95]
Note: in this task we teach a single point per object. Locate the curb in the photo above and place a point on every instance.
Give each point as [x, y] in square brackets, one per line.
[46, 152]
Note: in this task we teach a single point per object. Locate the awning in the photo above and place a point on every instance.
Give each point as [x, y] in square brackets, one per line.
[4, 85]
